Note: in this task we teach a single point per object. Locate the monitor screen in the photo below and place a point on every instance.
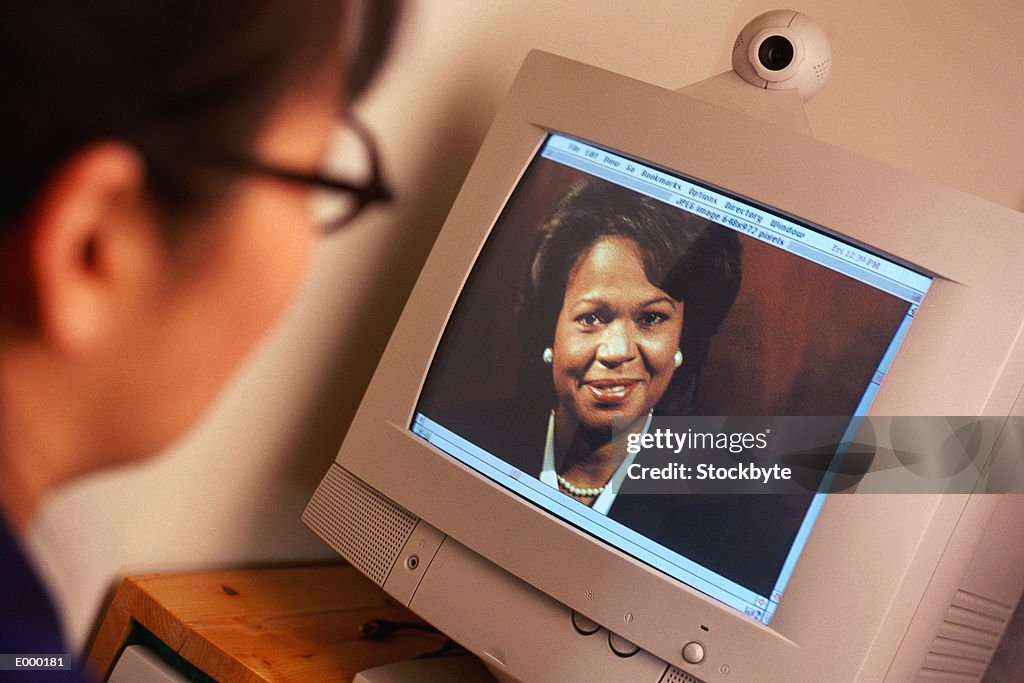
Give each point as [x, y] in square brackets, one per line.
[610, 289]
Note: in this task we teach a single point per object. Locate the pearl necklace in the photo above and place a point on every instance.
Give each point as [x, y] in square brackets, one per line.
[578, 491]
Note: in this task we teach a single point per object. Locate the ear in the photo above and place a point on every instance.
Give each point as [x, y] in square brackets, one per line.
[80, 229]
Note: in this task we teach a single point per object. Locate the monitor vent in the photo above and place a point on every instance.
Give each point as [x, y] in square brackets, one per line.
[363, 526]
[674, 675]
[966, 640]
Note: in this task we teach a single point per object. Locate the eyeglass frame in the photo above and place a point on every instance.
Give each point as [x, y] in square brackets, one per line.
[374, 190]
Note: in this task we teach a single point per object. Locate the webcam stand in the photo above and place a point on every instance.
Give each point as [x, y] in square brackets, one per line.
[780, 60]
[783, 108]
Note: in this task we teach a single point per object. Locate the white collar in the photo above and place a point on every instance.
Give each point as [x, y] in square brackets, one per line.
[607, 496]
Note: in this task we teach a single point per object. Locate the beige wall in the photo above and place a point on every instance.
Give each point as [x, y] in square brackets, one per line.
[933, 87]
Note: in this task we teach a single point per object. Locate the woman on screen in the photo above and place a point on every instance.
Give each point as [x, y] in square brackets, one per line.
[622, 298]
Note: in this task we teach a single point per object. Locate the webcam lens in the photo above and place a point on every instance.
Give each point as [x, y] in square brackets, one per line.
[775, 53]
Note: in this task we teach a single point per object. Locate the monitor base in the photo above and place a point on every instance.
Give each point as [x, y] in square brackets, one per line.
[465, 668]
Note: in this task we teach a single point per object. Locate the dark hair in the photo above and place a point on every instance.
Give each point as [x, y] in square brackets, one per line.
[177, 79]
[690, 258]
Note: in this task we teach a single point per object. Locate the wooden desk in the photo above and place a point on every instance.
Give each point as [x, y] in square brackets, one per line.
[274, 624]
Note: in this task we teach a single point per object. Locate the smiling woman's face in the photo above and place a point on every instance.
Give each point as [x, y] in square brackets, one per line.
[615, 338]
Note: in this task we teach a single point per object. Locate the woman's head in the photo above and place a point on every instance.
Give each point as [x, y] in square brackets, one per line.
[140, 259]
[182, 82]
[618, 284]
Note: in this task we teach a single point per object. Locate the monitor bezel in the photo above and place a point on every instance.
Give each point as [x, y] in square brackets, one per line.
[974, 290]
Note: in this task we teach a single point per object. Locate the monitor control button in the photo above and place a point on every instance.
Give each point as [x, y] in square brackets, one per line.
[621, 646]
[584, 625]
[693, 652]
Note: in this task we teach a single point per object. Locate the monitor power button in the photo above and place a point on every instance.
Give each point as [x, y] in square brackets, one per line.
[693, 652]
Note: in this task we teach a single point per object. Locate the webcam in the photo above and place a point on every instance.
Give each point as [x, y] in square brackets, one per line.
[781, 50]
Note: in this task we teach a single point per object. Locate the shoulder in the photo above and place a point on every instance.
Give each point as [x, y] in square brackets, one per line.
[30, 624]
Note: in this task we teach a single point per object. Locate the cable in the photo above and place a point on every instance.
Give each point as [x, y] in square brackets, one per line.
[379, 629]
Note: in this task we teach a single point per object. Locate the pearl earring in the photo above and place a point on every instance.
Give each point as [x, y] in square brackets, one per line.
[548, 355]
[678, 358]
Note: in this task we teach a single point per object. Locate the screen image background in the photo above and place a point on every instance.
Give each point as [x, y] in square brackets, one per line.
[801, 339]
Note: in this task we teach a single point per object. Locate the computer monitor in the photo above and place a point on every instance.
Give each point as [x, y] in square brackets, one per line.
[620, 257]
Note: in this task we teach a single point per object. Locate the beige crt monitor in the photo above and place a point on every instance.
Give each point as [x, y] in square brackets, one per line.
[543, 588]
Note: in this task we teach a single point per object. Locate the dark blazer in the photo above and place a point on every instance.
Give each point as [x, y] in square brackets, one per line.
[745, 538]
[28, 620]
